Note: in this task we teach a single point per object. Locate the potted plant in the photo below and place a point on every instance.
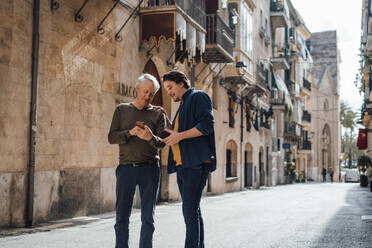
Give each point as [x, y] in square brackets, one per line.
[364, 162]
[291, 171]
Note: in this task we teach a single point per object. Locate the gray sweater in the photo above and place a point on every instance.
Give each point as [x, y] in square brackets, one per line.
[131, 148]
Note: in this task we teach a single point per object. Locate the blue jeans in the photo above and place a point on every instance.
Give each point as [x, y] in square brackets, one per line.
[191, 182]
[147, 178]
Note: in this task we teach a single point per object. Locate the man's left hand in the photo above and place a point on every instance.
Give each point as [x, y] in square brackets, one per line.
[173, 138]
[145, 134]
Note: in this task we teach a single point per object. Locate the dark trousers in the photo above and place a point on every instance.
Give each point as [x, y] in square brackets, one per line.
[147, 178]
[191, 182]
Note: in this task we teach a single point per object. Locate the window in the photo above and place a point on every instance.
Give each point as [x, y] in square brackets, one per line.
[246, 35]
[246, 29]
[273, 136]
[231, 111]
[325, 105]
[231, 159]
[228, 163]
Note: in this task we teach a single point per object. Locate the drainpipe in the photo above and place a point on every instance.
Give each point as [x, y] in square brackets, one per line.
[192, 78]
[33, 115]
[241, 143]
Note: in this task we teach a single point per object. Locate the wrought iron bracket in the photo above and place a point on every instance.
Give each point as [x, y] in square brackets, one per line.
[54, 5]
[169, 63]
[210, 72]
[100, 29]
[78, 16]
[135, 11]
[148, 52]
[205, 66]
[223, 67]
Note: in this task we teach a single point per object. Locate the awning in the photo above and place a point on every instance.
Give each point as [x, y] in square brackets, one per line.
[281, 85]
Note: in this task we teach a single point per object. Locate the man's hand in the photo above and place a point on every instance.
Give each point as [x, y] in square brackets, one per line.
[134, 131]
[174, 137]
[145, 133]
[169, 122]
[160, 108]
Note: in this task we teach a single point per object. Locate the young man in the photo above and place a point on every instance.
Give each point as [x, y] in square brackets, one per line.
[193, 153]
[135, 127]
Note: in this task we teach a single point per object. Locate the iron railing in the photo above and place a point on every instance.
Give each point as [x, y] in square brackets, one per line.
[306, 116]
[194, 8]
[261, 77]
[304, 145]
[307, 84]
[218, 32]
[276, 97]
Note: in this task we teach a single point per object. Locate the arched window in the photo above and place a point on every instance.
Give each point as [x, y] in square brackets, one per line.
[326, 104]
[231, 159]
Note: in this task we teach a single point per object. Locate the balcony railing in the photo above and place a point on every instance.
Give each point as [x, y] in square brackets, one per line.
[278, 6]
[280, 58]
[304, 145]
[291, 86]
[261, 77]
[307, 84]
[306, 116]
[291, 130]
[276, 97]
[194, 8]
[218, 33]
[279, 13]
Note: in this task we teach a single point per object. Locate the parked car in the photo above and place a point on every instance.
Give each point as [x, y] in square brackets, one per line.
[351, 176]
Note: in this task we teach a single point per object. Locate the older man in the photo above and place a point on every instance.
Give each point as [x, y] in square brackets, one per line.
[135, 127]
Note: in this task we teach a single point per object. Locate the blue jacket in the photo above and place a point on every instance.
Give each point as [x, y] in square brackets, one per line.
[195, 111]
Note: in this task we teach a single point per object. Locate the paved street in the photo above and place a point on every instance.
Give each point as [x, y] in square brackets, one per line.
[299, 215]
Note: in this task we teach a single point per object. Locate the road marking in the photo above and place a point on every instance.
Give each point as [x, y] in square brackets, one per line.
[366, 217]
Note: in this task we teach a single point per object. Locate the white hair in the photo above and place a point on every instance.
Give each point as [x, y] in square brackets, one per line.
[148, 77]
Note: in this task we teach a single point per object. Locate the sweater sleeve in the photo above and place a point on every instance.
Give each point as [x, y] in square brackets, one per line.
[116, 135]
[156, 141]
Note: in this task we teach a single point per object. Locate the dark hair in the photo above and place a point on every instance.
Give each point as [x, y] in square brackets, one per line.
[177, 77]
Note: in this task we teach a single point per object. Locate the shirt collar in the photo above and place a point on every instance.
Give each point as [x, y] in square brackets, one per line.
[187, 93]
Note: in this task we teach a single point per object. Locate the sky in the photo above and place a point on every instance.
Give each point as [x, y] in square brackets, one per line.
[345, 17]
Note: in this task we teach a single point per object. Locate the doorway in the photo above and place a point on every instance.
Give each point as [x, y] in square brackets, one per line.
[248, 170]
[150, 68]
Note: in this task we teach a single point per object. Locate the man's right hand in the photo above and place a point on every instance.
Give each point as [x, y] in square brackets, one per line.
[134, 131]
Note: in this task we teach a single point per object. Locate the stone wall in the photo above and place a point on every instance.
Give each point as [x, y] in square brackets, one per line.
[15, 81]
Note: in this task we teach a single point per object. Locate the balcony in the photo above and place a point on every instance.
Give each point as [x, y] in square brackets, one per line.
[262, 77]
[306, 84]
[174, 20]
[219, 41]
[279, 14]
[277, 98]
[306, 116]
[291, 131]
[280, 59]
[304, 145]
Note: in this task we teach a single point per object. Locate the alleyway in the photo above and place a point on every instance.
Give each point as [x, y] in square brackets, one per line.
[299, 215]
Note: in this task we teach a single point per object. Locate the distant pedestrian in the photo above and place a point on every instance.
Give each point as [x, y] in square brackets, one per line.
[331, 174]
[324, 174]
[135, 128]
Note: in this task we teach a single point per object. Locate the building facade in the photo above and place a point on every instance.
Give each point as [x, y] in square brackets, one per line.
[326, 130]
[65, 65]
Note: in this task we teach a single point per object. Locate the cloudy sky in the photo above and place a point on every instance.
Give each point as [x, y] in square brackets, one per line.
[345, 17]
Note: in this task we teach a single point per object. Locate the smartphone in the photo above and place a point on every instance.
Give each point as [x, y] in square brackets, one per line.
[164, 134]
